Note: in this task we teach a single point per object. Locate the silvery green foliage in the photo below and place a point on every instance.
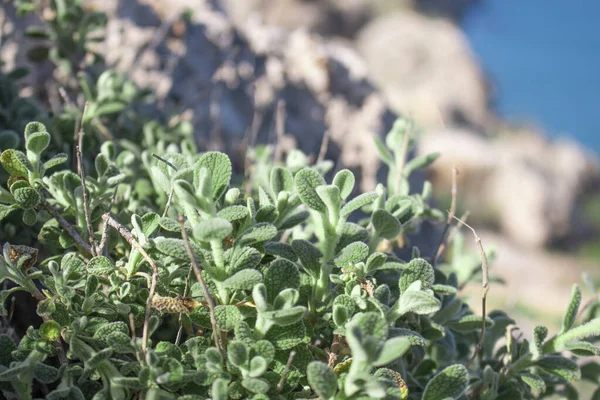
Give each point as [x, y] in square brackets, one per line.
[311, 300]
[288, 272]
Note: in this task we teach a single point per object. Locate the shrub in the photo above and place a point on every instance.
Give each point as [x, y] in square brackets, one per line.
[159, 271]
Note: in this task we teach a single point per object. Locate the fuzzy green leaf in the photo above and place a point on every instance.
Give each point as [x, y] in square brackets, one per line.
[383, 151]
[257, 234]
[450, 383]
[228, 317]
[444, 289]
[220, 167]
[330, 194]
[286, 337]
[57, 159]
[287, 316]
[45, 373]
[176, 248]
[572, 310]
[6, 210]
[256, 385]
[15, 162]
[281, 180]
[393, 349]
[583, 349]
[234, 213]
[535, 382]
[26, 197]
[469, 323]
[579, 333]
[344, 180]
[243, 280]
[322, 379]
[418, 302]
[37, 142]
[283, 250]
[385, 224]
[213, 229]
[419, 162]
[281, 274]
[417, 269]
[237, 353]
[100, 266]
[307, 181]
[242, 258]
[50, 330]
[258, 365]
[357, 203]
[352, 254]
[309, 255]
[560, 366]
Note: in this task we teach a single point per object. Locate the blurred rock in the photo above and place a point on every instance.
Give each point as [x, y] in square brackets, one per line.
[425, 68]
[530, 186]
[325, 17]
[233, 75]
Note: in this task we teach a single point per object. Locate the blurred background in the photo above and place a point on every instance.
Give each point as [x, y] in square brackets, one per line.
[506, 90]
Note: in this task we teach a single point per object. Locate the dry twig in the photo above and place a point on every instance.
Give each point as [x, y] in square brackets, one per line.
[67, 227]
[451, 213]
[285, 371]
[486, 287]
[124, 232]
[200, 278]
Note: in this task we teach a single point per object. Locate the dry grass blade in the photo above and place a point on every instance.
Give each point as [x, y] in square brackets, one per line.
[200, 278]
[485, 286]
[124, 232]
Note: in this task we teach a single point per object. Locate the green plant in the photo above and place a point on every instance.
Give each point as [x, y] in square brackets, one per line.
[285, 272]
[160, 272]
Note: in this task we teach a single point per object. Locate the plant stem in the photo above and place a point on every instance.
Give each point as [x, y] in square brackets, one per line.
[134, 243]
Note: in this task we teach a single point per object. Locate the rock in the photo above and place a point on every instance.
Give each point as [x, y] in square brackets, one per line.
[425, 68]
[530, 186]
[233, 75]
[327, 18]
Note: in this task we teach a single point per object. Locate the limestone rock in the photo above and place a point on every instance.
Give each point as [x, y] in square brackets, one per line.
[530, 186]
[425, 68]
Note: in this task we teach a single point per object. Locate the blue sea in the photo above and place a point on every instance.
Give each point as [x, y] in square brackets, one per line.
[543, 57]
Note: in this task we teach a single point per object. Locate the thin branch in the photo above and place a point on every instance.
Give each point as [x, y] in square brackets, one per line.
[486, 287]
[67, 227]
[200, 278]
[103, 239]
[132, 326]
[170, 198]
[185, 289]
[124, 232]
[451, 213]
[285, 371]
